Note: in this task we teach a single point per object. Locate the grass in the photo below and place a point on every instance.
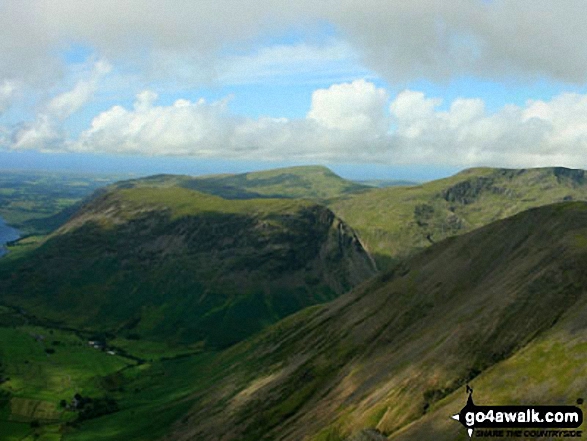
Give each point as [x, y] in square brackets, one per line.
[185, 202]
[71, 368]
[305, 182]
[157, 394]
[40, 366]
[393, 354]
[38, 202]
[389, 353]
[308, 182]
[550, 370]
[150, 396]
[396, 222]
[155, 350]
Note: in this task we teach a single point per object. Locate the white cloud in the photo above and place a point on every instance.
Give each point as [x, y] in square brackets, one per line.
[42, 135]
[347, 122]
[183, 128]
[539, 134]
[341, 117]
[356, 106]
[67, 103]
[45, 132]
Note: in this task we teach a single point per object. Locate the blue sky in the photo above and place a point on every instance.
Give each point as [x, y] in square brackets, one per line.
[372, 89]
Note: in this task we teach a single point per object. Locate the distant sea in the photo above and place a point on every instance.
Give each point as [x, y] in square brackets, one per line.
[7, 234]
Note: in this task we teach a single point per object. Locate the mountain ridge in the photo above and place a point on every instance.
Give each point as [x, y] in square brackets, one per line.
[396, 222]
[385, 354]
[305, 182]
[175, 256]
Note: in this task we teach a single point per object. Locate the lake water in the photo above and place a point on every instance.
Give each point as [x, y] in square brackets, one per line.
[7, 234]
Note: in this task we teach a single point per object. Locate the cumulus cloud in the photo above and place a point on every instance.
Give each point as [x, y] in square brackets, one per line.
[348, 122]
[356, 106]
[42, 134]
[183, 128]
[340, 119]
[539, 134]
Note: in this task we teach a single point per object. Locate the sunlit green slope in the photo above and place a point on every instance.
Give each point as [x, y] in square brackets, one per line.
[394, 222]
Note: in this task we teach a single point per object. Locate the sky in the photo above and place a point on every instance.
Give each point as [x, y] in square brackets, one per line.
[373, 89]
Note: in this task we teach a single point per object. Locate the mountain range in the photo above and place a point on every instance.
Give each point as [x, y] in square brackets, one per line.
[321, 309]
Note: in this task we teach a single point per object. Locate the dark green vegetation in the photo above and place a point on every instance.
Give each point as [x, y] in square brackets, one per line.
[395, 222]
[503, 307]
[173, 264]
[38, 202]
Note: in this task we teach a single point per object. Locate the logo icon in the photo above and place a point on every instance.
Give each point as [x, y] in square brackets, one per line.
[517, 417]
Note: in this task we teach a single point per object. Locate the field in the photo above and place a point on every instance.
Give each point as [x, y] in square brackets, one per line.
[38, 202]
[41, 366]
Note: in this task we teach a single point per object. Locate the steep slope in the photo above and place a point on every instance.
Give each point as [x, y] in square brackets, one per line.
[307, 182]
[489, 306]
[175, 264]
[395, 222]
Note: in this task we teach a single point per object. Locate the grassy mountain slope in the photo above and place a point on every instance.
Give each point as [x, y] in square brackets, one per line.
[306, 182]
[504, 304]
[311, 182]
[394, 222]
[175, 264]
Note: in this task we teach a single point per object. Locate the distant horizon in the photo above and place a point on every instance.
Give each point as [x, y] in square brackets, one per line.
[141, 166]
[145, 166]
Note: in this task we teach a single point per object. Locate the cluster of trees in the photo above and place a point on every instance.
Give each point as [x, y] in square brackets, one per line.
[89, 408]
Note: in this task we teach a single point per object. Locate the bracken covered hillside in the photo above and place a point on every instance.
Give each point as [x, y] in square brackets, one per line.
[172, 263]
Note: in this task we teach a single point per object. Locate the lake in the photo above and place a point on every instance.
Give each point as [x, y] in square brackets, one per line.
[7, 233]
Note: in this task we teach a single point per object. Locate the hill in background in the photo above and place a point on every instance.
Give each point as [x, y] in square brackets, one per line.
[303, 182]
[394, 222]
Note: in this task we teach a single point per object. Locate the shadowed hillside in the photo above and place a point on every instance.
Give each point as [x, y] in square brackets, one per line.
[502, 307]
[176, 264]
